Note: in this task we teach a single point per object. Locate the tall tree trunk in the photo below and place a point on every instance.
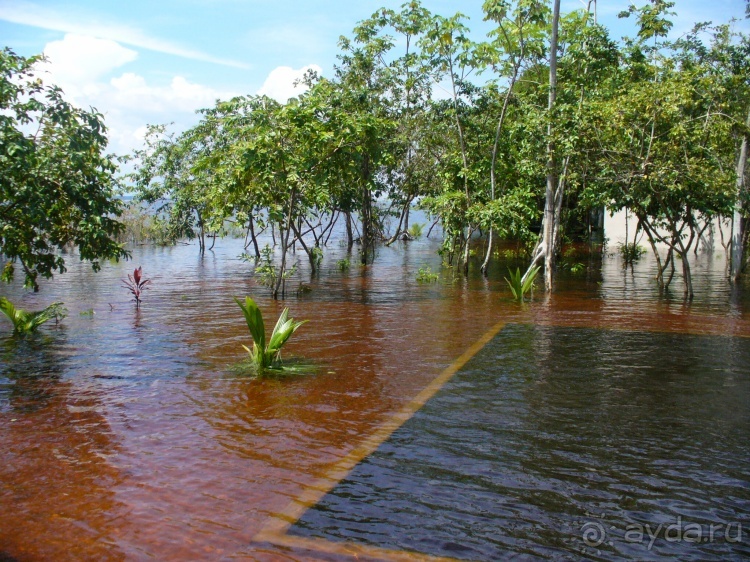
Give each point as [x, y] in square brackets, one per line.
[550, 218]
[201, 234]
[738, 250]
[366, 212]
[284, 235]
[464, 160]
[253, 237]
[493, 164]
[349, 235]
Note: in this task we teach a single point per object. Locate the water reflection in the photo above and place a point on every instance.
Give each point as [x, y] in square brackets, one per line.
[57, 492]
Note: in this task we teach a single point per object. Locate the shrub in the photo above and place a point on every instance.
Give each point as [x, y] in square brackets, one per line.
[425, 275]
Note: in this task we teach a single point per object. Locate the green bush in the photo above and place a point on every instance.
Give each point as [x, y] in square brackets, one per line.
[425, 275]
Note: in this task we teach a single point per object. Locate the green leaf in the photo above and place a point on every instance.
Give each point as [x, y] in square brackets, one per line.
[254, 320]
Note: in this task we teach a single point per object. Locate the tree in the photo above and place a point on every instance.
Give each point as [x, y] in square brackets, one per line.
[166, 175]
[451, 54]
[56, 182]
[667, 148]
[516, 39]
[361, 111]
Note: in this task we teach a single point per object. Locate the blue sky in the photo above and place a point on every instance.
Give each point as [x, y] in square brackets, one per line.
[146, 62]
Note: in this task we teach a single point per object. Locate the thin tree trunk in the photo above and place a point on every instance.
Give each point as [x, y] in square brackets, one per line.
[493, 164]
[549, 205]
[431, 227]
[308, 251]
[253, 237]
[367, 234]
[737, 239]
[247, 237]
[349, 235]
[284, 235]
[404, 215]
[464, 160]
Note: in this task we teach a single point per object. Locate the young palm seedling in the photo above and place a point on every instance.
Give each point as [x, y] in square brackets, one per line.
[136, 284]
[266, 355]
[26, 322]
[518, 286]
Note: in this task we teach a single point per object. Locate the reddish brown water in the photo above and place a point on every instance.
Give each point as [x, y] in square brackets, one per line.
[126, 436]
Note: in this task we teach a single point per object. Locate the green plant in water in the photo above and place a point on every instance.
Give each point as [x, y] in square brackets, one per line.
[266, 355]
[509, 253]
[26, 322]
[343, 265]
[574, 267]
[267, 273]
[416, 230]
[518, 286]
[631, 252]
[577, 268]
[425, 275]
[317, 254]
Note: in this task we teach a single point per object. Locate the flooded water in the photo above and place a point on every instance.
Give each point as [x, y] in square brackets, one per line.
[564, 442]
[126, 436]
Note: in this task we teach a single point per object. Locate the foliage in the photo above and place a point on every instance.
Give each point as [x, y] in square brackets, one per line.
[519, 286]
[267, 355]
[266, 271]
[631, 252]
[646, 125]
[416, 230]
[136, 284]
[343, 264]
[670, 149]
[57, 185]
[141, 226]
[425, 275]
[26, 322]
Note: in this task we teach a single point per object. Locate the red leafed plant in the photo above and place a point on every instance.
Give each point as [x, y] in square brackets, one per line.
[136, 283]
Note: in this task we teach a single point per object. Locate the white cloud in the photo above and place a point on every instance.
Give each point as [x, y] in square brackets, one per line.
[132, 92]
[27, 13]
[280, 84]
[83, 67]
[77, 61]
[129, 102]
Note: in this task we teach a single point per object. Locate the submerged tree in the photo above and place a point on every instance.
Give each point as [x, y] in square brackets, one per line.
[569, 122]
[667, 153]
[56, 182]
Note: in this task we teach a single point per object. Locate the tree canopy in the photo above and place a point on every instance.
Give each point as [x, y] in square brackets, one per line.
[525, 136]
[57, 184]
